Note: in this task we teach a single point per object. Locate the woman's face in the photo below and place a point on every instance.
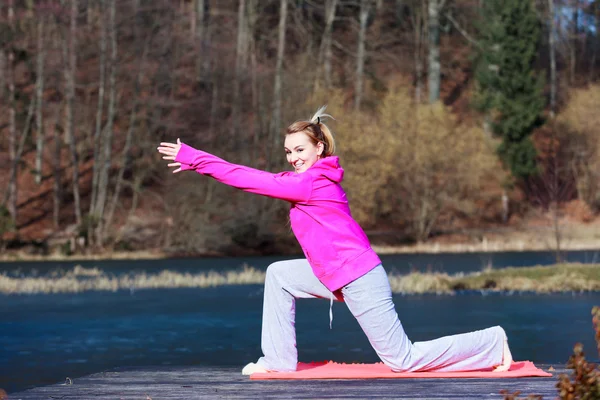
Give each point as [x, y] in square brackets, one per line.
[301, 153]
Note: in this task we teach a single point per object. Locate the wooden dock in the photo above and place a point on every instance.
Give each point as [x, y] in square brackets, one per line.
[160, 383]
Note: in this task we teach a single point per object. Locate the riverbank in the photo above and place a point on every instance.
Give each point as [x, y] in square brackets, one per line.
[559, 278]
[490, 242]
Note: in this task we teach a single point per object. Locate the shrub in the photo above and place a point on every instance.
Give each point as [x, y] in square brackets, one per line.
[580, 119]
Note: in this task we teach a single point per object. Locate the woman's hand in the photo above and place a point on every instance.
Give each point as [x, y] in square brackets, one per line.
[170, 151]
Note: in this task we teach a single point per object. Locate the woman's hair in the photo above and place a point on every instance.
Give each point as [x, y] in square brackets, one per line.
[316, 130]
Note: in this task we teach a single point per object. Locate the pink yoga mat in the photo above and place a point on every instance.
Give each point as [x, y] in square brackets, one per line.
[333, 370]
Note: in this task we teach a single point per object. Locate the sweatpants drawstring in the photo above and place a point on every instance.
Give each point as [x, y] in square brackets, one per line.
[331, 311]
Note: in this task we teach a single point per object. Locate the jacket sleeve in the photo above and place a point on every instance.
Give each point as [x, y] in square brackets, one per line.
[287, 186]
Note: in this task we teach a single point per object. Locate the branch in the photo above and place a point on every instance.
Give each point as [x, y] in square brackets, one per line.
[462, 31]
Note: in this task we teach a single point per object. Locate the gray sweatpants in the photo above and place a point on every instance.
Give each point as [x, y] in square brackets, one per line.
[369, 299]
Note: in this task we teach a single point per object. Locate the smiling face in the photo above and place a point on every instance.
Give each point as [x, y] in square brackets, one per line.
[301, 152]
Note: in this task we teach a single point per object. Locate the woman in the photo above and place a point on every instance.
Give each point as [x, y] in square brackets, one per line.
[340, 262]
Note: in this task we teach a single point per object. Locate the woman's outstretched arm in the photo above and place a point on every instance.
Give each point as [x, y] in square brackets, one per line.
[287, 186]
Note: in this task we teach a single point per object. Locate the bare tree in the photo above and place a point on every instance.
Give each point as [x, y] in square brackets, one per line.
[99, 110]
[434, 11]
[418, 23]
[39, 91]
[202, 12]
[107, 132]
[574, 39]
[57, 192]
[259, 119]
[12, 120]
[128, 141]
[363, 18]
[70, 58]
[551, 45]
[399, 8]
[325, 53]
[277, 87]
[240, 57]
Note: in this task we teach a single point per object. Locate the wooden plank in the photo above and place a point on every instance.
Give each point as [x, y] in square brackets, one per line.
[217, 383]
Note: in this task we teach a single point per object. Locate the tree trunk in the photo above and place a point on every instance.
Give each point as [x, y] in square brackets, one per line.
[573, 46]
[39, 91]
[14, 167]
[128, 140]
[202, 11]
[277, 101]
[57, 172]
[240, 58]
[69, 52]
[595, 43]
[257, 126]
[360, 53]
[325, 53]
[12, 120]
[214, 108]
[99, 110]
[107, 132]
[399, 9]
[434, 74]
[418, 24]
[551, 44]
[3, 72]
[505, 206]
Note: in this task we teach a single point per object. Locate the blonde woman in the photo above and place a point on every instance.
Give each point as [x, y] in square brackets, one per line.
[340, 263]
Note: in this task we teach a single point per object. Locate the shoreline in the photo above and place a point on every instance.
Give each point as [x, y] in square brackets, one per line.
[434, 247]
[557, 278]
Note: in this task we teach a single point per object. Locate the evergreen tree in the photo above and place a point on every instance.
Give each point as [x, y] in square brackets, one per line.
[508, 87]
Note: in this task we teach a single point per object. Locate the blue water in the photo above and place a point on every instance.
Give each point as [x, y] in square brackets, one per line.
[46, 338]
[401, 263]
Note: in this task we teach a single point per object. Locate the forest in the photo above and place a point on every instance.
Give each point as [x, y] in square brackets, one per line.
[454, 119]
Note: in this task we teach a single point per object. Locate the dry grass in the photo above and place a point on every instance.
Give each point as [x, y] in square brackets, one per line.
[83, 279]
[540, 279]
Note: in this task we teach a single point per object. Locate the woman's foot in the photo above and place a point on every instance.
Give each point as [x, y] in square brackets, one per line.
[506, 357]
[253, 368]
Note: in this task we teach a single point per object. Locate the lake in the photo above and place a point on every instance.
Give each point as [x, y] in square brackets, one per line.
[45, 338]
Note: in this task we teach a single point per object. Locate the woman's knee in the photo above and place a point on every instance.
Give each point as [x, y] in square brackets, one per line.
[275, 270]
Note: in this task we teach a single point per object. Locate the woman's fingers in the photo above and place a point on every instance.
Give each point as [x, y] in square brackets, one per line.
[176, 164]
[168, 152]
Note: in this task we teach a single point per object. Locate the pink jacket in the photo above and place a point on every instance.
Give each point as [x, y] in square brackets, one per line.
[334, 244]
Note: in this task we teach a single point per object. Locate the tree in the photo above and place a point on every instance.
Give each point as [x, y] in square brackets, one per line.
[325, 53]
[70, 60]
[365, 6]
[240, 59]
[433, 12]
[12, 125]
[39, 91]
[107, 136]
[508, 86]
[277, 90]
[552, 47]
[201, 26]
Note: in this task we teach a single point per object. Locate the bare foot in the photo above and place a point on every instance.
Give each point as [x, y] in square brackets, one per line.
[253, 368]
[506, 358]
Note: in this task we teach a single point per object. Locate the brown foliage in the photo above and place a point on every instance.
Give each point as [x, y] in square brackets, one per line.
[580, 120]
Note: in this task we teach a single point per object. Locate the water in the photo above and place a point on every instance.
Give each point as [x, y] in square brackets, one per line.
[402, 263]
[46, 338]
